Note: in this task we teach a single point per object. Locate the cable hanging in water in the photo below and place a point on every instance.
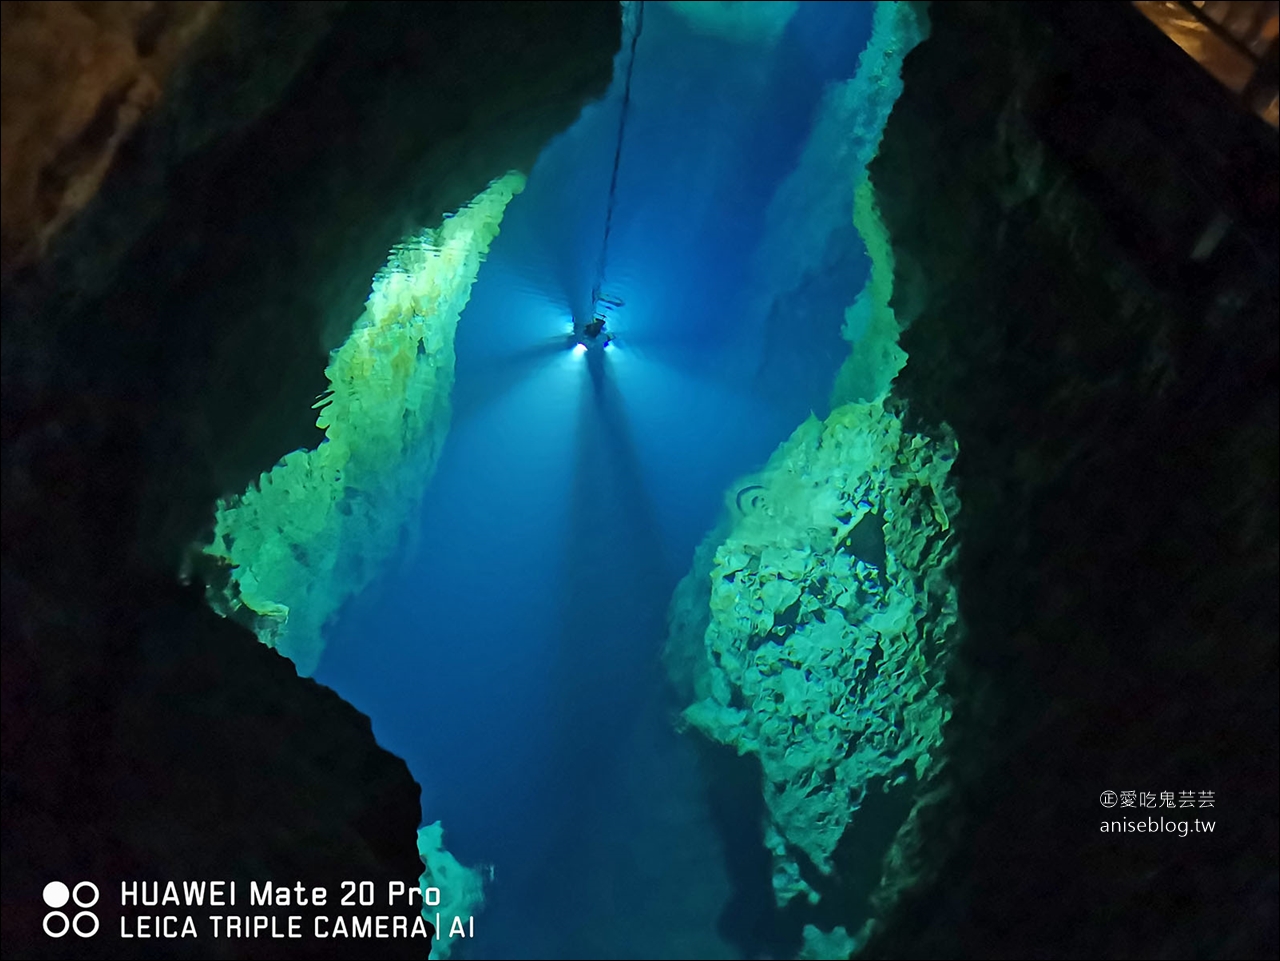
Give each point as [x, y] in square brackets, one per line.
[617, 157]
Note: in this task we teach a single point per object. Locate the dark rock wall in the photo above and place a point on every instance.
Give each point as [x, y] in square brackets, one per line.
[148, 739]
[78, 78]
[1053, 180]
[253, 232]
[166, 350]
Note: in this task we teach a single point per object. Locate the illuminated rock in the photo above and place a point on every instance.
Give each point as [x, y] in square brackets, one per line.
[313, 529]
[824, 665]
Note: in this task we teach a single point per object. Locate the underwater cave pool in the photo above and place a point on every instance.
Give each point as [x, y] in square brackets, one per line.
[653, 618]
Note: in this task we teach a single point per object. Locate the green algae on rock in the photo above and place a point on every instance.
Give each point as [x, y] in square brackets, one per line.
[311, 532]
[824, 666]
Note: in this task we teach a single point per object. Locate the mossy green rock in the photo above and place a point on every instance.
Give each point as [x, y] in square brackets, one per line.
[811, 657]
[315, 527]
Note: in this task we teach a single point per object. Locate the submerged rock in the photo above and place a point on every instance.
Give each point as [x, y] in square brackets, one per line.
[167, 350]
[809, 660]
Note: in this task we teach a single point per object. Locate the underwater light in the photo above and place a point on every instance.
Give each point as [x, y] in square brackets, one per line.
[591, 335]
[579, 349]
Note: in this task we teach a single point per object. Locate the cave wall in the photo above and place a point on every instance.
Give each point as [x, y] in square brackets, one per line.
[1083, 226]
[78, 79]
[164, 346]
[234, 216]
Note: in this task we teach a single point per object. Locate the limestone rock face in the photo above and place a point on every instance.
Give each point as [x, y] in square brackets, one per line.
[812, 633]
[830, 614]
[1084, 231]
[312, 531]
[168, 348]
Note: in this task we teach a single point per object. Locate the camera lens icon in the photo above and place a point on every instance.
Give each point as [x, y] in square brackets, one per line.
[84, 895]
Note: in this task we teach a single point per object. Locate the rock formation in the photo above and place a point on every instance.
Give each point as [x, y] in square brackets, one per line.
[167, 348]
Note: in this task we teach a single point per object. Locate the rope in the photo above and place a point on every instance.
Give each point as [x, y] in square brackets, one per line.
[617, 158]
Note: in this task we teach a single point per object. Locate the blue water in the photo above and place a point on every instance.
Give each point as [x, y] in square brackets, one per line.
[512, 656]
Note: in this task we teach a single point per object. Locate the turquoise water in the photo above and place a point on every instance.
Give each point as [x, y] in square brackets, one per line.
[510, 655]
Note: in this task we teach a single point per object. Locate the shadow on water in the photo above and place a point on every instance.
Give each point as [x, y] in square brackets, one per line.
[602, 664]
[859, 857]
[613, 555]
[637, 512]
[751, 921]
[501, 374]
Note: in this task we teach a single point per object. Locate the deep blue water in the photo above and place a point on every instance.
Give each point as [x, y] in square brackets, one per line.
[512, 657]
